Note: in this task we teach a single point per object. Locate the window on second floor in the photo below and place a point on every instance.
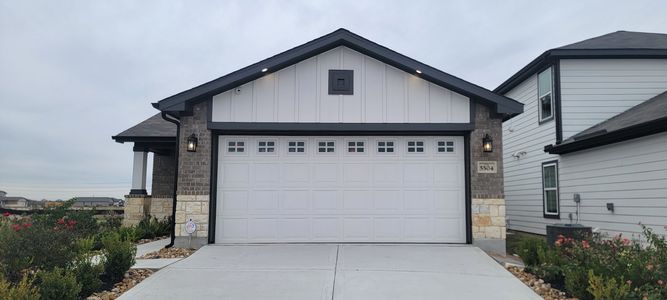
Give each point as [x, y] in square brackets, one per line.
[545, 95]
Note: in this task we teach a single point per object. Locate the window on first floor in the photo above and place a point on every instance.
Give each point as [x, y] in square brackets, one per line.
[545, 95]
[326, 146]
[550, 189]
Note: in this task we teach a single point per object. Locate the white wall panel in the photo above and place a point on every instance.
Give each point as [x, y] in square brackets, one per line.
[382, 94]
[594, 90]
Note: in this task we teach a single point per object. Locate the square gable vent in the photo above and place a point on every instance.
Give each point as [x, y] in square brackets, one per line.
[340, 82]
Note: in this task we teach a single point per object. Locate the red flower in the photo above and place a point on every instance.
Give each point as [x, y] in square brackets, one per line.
[558, 242]
[71, 222]
[626, 242]
[6, 214]
[61, 221]
[660, 282]
[585, 244]
[27, 225]
[16, 227]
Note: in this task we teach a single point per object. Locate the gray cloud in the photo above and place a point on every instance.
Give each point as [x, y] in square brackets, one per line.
[74, 73]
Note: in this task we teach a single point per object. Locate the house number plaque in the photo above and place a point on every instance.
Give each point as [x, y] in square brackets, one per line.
[488, 167]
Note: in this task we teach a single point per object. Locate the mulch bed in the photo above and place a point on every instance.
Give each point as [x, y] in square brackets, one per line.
[169, 253]
[538, 285]
[132, 278]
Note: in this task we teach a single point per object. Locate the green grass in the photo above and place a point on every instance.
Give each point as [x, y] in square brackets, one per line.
[515, 237]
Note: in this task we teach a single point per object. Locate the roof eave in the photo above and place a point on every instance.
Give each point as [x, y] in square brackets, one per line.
[628, 133]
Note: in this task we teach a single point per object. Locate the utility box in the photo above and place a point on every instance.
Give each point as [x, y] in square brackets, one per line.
[577, 232]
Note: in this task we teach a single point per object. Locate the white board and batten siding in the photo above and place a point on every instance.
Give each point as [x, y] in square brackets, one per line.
[632, 175]
[523, 177]
[299, 94]
[594, 90]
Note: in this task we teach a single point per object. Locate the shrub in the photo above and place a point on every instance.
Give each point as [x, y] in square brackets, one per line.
[152, 227]
[128, 234]
[528, 250]
[86, 224]
[607, 288]
[23, 290]
[88, 275]
[576, 282]
[119, 257]
[58, 284]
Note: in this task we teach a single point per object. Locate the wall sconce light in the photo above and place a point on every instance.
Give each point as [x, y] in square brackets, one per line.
[192, 143]
[487, 143]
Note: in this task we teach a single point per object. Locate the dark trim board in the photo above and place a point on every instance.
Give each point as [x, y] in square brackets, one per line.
[544, 202]
[558, 113]
[341, 37]
[468, 187]
[605, 138]
[213, 200]
[270, 128]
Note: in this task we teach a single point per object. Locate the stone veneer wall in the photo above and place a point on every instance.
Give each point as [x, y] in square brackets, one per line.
[136, 208]
[487, 191]
[192, 199]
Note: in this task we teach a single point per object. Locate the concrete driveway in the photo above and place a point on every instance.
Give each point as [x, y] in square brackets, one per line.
[334, 272]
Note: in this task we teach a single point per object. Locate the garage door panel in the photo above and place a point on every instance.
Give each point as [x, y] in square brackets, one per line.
[339, 196]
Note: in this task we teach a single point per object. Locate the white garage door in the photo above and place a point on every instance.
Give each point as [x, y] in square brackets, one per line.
[340, 189]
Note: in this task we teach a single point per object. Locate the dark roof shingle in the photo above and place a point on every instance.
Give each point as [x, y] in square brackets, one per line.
[153, 127]
[622, 40]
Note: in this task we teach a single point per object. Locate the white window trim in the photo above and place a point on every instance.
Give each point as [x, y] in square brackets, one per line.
[245, 147]
[347, 146]
[275, 147]
[551, 92]
[305, 147]
[317, 146]
[437, 147]
[545, 189]
[395, 146]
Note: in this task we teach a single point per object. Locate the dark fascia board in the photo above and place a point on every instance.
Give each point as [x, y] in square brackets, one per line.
[635, 131]
[550, 56]
[340, 37]
[270, 128]
[144, 139]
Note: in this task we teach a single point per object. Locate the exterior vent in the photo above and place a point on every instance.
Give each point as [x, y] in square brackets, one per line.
[341, 82]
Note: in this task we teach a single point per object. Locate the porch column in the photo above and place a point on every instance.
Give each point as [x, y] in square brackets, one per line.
[139, 173]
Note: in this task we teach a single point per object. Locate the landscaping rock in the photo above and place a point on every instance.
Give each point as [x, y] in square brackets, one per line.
[144, 241]
[169, 253]
[134, 277]
[538, 285]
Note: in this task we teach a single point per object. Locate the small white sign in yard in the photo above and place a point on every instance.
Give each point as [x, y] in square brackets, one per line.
[190, 227]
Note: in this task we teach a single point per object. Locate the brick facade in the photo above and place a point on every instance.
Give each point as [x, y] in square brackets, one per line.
[164, 170]
[194, 172]
[487, 191]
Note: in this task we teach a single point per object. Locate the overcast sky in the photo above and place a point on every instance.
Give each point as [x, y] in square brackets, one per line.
[74, 73]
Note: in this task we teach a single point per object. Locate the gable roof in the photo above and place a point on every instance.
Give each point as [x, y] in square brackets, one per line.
[183, 101]
[154, 128]
[648, 117]
[619, 44]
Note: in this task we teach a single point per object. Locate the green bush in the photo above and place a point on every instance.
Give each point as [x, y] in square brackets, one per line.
[576, 282]
[128, 234]
[152, 227]
[84, 221]
[23, 290]
[119, 257]
[528, 249]
[88, 275]
[606, 288]
[58, 284]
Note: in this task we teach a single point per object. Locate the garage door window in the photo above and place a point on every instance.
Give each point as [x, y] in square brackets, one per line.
[446, 146]
[355, 147]
[296, 147]
[385, 146]
[266, 146]
[326, 146]
[415, 146]
[236, 146]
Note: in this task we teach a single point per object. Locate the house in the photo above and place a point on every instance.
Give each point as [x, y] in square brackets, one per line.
[336, 140]
[18, 203]
[96, 202]
[594, 131]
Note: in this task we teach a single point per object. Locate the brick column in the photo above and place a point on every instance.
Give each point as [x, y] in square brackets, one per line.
[194, 170]
[487, 191]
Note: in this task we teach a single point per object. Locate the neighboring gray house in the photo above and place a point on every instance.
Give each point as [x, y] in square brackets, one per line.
[336, 140]
[18, 203]
[96, 201]
[594, 128]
